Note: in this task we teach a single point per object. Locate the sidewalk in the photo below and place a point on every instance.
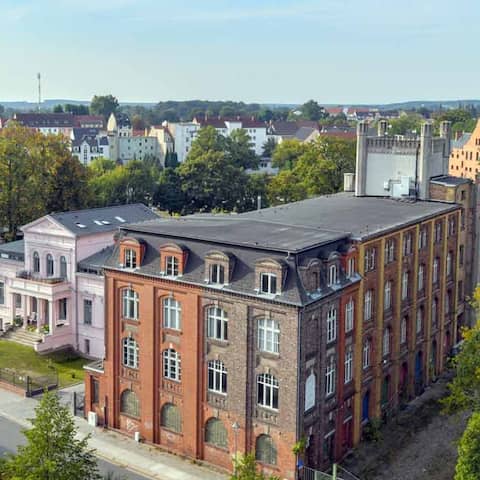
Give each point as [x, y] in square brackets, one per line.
[115, 448]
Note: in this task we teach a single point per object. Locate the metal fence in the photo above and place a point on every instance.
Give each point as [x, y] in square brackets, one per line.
[32, 385]
[311, 474]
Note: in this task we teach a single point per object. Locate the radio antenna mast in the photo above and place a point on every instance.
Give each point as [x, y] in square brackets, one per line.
[39, 91]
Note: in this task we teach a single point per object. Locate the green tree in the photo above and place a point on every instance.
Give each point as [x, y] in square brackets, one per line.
[52, 450]
[58, 109]
[103, 105]
[169, 194]
[76, 109]
[468, 463]
[286, 187]
[287, 153]
[406, 124]
[311, 110]
[269, 147]
[171, 160]
[246, 469]
[239, 150]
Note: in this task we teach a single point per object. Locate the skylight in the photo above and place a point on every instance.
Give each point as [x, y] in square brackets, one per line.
[120, 219]
[98, 222]
[80, 225]
[105, 222]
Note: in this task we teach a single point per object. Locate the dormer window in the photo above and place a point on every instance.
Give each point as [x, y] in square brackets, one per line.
[171, 266]
[268, 283]
[130, 258]
[351, 267]
[217, 274]
[332, 275]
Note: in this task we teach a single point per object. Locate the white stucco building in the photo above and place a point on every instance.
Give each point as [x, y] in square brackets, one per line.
[52, 280]
[183, 134]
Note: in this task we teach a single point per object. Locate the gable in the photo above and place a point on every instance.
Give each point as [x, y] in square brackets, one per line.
[46, 226]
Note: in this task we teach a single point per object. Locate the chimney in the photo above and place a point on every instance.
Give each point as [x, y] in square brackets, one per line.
[361, 164]
[348, 182]
[424, 158]
[446, 134]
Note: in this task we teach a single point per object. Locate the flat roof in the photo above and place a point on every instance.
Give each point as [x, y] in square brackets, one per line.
[298, 226]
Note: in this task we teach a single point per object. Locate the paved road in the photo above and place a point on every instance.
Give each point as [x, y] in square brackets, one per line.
[11, 436]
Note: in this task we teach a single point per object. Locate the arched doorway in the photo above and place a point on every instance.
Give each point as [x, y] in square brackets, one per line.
[419, 373]
[366, 406]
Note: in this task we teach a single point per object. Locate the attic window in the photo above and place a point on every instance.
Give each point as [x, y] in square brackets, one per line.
[120, 219]
[80, 225]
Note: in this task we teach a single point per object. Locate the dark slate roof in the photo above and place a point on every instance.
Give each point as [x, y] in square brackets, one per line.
[94, 264]
[49, 120]
[450, 180]
[103, 141]
[304, 132]
[361, 217]
[13, 250]
[86, 222]
[238, 230]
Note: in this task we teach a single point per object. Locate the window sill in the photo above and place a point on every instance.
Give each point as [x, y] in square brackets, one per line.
[269, 355]
[218, 342]
[169, 430]
[217, 447]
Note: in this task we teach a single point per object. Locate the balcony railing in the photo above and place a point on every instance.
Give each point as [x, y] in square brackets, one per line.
[37, 277]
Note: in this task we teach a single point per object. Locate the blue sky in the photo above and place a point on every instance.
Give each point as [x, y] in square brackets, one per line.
[253, 50]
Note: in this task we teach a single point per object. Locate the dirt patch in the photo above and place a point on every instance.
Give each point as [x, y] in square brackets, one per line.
[419, 443]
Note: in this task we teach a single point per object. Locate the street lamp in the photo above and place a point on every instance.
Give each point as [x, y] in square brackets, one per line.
[236, 428]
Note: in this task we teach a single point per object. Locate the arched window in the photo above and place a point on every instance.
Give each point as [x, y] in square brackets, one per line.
[332, 275]
[268, 335]
[171, 266]
[217, 376]
[331, 324]
[36, 262]
[217, 323]
[348, 364]
[349, 315]
[216, 433]
[387, 295]
[171, 418]
[448, 301]
[50, 266]
[129, 403]
[421, 277]
[366, 353]
[130, 352]
[172, 368]
[330, 376]
[403, 330]
[436, 262]
[63, 267]
[172, 313]
[267, 390]
[449, 263]
[434, 311]
[367, 306]
[419, 319]
[405, 276]
[217, 274]
[265, 450]
[130, 304]
[386, 341]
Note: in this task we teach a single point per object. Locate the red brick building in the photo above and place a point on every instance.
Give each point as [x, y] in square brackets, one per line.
[246, 333]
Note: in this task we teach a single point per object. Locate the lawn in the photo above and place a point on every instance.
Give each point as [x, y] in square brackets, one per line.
[25, 360]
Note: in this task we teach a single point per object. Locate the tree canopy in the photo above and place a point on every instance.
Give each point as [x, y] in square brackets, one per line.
[52, 450]
[103, 105]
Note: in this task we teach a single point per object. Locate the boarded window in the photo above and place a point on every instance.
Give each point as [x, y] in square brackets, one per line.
[216, 433]
[171, 418]
[265, 450]
[129, 404]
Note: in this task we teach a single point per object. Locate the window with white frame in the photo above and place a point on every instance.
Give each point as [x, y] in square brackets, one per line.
[367, 306]
[389, 250]
[217, 323]
[332, 275]
[172, 368]
[63, 267]
[172, 313]
[268, 335]
[422, 238]
[403, 330]
[349, 315]
[438, 232]
[419, 323]
[268, 283]
[2, 293]
[217, 274]
[405, 285]
[351, 267]
[130, 258]
[267, 391]
[407, 244]
[436, 264]
[36, 262]
[434, 311]
[370, 254]
[217, 376]
[386, 341]
[449, 263]
[451, 226]
[130, 304]
[330, 376]
[130, 352]
[387, 295]
[50, 265]
[62, 309]
[348, 364]
[331, 324]
[87, 311]
[171, 266]
[448, 299]
[421, 277]
[366, 353]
